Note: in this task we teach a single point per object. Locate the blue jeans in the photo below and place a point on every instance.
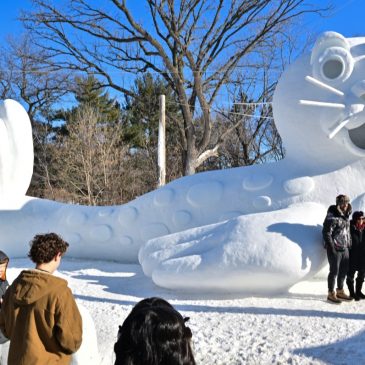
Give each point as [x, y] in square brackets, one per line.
[339, 265]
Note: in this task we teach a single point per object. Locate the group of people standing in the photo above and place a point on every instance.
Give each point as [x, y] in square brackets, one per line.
[344, 240]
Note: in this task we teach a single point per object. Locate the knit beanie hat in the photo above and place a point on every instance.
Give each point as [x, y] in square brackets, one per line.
[342, 199]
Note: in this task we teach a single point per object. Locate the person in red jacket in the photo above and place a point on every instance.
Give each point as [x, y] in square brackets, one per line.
[39, 313]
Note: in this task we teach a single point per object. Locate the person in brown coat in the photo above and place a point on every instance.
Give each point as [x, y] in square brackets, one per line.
[39, 313]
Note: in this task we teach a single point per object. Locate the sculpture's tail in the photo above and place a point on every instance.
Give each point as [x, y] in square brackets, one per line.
[16, 150]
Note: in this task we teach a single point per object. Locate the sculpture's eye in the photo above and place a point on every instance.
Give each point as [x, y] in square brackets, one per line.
[334, 64]
[333, 68]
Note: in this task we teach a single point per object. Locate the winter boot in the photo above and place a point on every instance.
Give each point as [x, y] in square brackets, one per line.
[333, 298]
[358, 289]
[350, 285]
[340, 294]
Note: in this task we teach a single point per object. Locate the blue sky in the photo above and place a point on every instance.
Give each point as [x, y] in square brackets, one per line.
[347, 18]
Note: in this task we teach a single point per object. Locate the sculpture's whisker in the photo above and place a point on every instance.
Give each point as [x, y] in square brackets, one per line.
[321, 84]
[321, 103]
[337, 128]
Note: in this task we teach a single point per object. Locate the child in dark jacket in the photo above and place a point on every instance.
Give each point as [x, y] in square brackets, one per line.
[357, 255]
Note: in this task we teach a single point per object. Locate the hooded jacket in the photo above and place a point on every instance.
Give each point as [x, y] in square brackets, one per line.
[40, 317]
[336, 228]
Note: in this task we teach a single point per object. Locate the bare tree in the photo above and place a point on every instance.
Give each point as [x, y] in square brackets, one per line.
[90, 159]
[195, 45]
[25, 76]
[254, 138]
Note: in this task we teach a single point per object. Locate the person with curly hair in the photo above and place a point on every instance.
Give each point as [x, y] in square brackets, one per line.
[154, 333]
[39, 313]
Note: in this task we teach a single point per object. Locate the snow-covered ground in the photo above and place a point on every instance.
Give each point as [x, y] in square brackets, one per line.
[298, 327]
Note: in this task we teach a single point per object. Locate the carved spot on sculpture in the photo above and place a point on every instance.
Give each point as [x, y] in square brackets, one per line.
[302, 185]
[163, 197]
[257, 182]
[262, 202]
[127, 215]
[204, 194]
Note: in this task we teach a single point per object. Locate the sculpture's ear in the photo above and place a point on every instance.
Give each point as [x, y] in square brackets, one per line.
[328, 40]
[331, 59]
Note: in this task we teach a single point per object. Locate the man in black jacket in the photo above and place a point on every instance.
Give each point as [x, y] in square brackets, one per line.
[337, 241]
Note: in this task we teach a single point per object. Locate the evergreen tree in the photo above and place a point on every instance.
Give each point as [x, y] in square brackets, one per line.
[141, 120]
[88, 92]
[142, 111]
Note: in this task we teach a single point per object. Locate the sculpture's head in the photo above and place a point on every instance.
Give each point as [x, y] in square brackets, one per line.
[319, 103]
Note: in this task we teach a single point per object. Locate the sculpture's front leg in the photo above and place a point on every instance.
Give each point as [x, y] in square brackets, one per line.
[254, 253]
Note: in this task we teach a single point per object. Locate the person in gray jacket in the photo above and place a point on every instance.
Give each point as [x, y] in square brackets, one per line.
[337, 241]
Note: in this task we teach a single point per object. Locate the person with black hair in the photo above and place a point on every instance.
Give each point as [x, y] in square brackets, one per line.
[39, 313]
[151, 302]
[154, 333]
[337, 241]
[357, 256]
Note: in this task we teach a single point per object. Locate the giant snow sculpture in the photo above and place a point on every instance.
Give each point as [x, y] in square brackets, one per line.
[255, 228]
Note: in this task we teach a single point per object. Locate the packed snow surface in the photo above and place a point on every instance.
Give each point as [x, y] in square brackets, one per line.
[298, 327]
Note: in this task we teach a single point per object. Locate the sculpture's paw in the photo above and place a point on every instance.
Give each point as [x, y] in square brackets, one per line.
[16, 150]
[254, 253]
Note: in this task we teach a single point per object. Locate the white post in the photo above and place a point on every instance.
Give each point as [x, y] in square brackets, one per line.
[161, 157]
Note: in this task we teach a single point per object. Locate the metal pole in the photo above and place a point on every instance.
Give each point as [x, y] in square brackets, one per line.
[161, 157]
